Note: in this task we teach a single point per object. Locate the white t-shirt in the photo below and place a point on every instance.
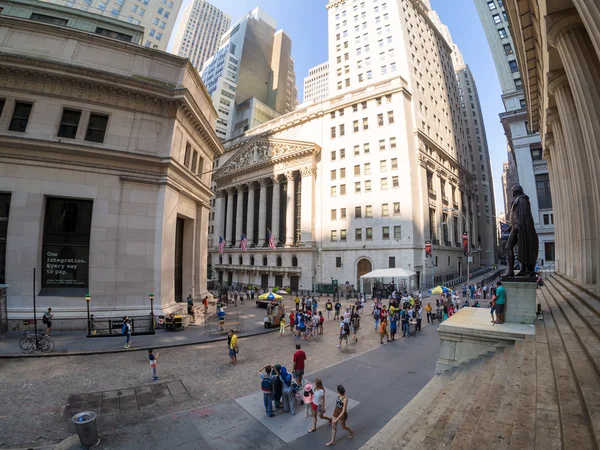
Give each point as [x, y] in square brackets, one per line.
[317, 396]
[342, 327]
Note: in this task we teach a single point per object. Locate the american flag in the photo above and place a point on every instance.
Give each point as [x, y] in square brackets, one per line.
[222, 243]
[271, 240]
[243, 242]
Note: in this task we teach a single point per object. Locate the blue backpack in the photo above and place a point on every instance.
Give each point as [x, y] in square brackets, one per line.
[124, 329]
[266, 385]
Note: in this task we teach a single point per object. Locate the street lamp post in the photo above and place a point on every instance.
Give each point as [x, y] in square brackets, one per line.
[151, 309]
[468, 241]
[88, 297]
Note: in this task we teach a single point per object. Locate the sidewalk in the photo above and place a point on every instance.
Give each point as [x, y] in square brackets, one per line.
[379, 383]
[76, 342]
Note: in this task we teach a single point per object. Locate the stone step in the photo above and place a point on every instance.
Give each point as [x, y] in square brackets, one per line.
[590, 299]
[547, 425]
[565, 349]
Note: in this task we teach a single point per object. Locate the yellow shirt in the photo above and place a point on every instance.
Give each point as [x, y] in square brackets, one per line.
[233, 342]
[297, 300]
[428, 308]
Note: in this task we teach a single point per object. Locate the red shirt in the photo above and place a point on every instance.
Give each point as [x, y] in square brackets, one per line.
[299, 358]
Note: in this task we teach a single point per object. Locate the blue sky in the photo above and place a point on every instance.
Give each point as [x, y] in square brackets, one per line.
[306, 23]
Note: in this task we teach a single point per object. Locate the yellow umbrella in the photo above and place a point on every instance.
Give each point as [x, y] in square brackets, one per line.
[270, 296]
[440, 290]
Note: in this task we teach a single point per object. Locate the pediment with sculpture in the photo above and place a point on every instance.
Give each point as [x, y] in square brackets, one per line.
[266, 152]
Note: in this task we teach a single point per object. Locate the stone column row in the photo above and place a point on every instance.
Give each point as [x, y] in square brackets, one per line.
[225, 211]
[577, 94]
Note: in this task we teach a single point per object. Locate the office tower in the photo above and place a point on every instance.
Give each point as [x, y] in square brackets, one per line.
[156, 16]
[525, 145]
[199, 34]
[251, 78]
[364, 179]
[316, 84]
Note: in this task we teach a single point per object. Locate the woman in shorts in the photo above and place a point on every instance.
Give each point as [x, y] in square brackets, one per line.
[318, 404]
[340, 414]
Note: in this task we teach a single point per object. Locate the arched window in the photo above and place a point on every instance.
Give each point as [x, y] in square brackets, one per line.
[252, 260]
[279, 264]
[240, 260]
[294, 261]
[230, 260]
[265, 262]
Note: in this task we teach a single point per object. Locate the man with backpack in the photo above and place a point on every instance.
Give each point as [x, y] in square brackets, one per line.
[338, 308]
[266, 385]
[126, 331]
[47, 320]
[344, 332]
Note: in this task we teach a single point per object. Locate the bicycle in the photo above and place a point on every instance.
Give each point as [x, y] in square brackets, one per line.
[32, 342]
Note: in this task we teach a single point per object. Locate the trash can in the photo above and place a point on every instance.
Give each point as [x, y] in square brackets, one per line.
[85, 425]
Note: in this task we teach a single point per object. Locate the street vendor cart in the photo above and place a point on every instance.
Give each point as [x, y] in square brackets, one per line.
[274, 313]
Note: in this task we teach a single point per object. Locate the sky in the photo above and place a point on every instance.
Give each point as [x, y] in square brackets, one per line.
[305, 22]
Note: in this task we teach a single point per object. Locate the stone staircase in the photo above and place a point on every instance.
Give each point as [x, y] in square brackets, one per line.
[541, 392]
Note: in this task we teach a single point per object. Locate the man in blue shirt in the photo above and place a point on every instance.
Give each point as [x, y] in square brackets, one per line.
[266, 386]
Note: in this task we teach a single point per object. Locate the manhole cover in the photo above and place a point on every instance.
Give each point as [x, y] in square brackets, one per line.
[348, 350]
[125, 400]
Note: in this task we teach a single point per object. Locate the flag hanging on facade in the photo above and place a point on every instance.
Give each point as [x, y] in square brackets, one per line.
[222, 243]
[243, 242]
[271, 240]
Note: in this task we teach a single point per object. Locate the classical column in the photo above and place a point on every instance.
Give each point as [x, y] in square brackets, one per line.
[307, 201]
[219, 215]
[200, 251]
[275, 214]
[239, 214]
[582, 68]
[262, 212]
[229, 227]
[557, 198]
[584, 213]
[250, 217]
[589, 11]
[290, 209]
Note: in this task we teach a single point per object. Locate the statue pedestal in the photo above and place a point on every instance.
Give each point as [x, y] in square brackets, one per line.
[521, 303]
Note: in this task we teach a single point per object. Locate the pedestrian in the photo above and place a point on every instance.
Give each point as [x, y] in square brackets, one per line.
[321, 321]
[376, 316]
[309, 327]
[153, 358]
[307, 398]
[205, 303]
[232, 342]
[221, 316]
[340, 414]
[47, 320]
[282, 326]
[344, 331]
[314, 306]
[303, 303]
[337, 308]
[355, 322]
[500, 302]
[383, 331]
[126, 331]
[297, 302]
[266, 385]
[464, 290]
[419, 316]
[292, 317]
[288, 392]
[405, 318]
[393, 324]
[318, 404]
[298, 367]
[484, 289]
[428, 311]
[190, 307]
[328, 308]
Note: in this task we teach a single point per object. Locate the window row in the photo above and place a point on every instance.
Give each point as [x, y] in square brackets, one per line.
[70, 122]
[368, 235]
[366, 168]
[368, 211]
[384, 186]
[366, 149]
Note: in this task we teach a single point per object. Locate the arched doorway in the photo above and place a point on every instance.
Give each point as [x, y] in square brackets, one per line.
[363, 267]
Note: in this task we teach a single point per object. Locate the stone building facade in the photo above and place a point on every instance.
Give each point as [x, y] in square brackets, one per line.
[558, 48]
[104, 152]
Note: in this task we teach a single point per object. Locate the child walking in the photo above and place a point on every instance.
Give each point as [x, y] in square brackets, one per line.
[307, 398]
[153, 358]
[383, 331]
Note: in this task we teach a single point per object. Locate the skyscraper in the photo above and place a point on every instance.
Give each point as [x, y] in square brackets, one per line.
[316, 84]
[365, 178]
[199, 34]
[472, 116]
[251, 78]
[156, 16]
[525, 147]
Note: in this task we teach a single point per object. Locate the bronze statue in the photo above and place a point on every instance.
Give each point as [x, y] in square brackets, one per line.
[523, 234]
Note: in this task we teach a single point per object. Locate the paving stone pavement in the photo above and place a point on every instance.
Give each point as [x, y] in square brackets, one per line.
[34, 391]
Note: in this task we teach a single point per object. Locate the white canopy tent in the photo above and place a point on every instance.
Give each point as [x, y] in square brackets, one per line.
[402, 278]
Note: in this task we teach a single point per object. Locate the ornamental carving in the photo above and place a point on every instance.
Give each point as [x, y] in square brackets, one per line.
[290, 176]
[540, 167]
[258, 153]
[308, 171]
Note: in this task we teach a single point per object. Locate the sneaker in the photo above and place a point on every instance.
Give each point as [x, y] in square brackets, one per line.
[337, 346]
[272, 415]
[154, 378]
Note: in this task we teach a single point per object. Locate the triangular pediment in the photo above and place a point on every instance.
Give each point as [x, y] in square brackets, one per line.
[261, 152]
